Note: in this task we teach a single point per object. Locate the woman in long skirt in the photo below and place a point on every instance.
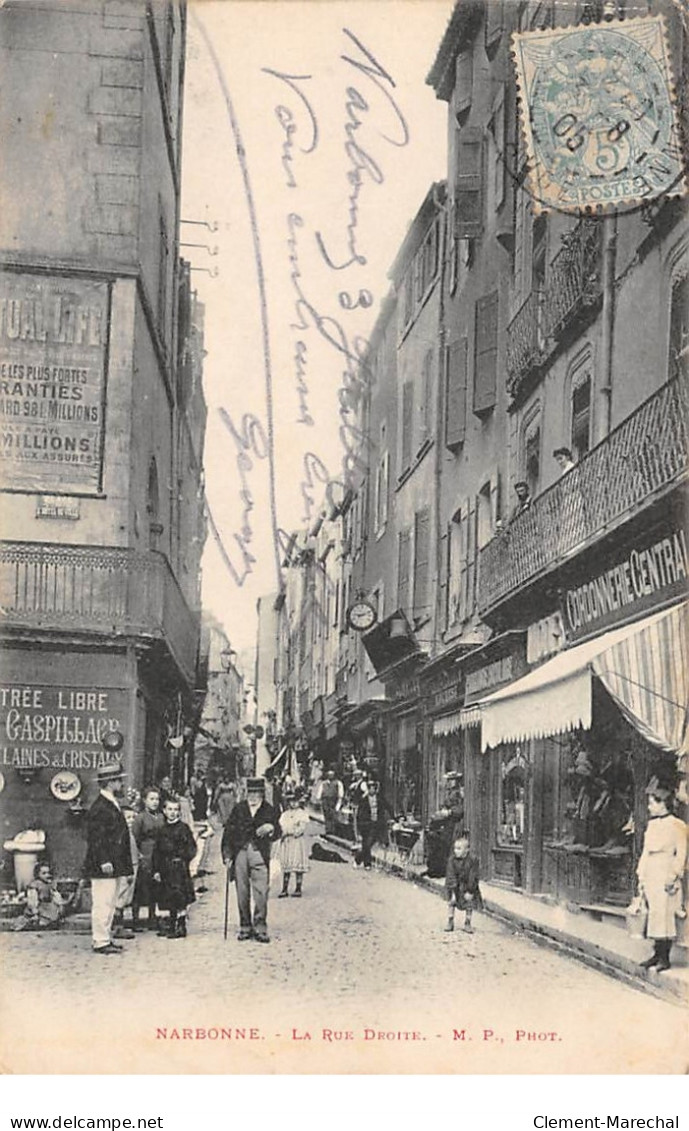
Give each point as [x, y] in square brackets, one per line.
[660, 870]
[292, 848]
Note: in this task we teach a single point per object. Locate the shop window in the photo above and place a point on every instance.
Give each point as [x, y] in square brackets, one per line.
[581, 418]
[598, 793]
[679, 329]
[512, 795]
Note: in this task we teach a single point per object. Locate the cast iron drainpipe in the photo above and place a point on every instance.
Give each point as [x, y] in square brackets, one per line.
[603, 413]
[439, 445]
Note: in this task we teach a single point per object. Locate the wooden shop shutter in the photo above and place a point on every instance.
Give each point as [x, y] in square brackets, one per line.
[486, 353]
[455, 393]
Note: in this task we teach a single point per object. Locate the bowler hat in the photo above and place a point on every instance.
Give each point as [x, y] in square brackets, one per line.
[256, 784]
[110, 771]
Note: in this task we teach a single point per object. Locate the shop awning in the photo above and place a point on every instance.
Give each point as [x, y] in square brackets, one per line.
[643, 666]
[458, 720]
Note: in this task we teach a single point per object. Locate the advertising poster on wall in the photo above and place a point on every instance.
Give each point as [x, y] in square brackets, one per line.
[53, 340]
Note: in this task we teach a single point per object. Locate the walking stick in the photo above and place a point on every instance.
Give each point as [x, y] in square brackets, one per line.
[227, 899]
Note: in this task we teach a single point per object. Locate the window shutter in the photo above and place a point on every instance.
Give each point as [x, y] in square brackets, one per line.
[455, 394]
[464, 77]
[494, 21]
[407, 422]
[421, 555]
[486, 353]
[463, 560]
[403, 564]
[425, 401]
[384, 485]
[468, 220]
[472, 540]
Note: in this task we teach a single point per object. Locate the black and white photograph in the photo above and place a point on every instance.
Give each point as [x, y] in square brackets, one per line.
[344, 633]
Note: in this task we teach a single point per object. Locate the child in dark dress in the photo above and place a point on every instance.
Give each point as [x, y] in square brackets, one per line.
[461, 884]
[173, 851]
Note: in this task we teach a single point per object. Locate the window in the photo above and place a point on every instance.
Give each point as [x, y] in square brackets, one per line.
[163, 264]
[454, 549]
[403, 568]
[380, 516]
[679, 329]
[468, 194]
[497, 128]
[512, 795]
[425, 399]
[455, 394]
[407, 423]
[486, 353]
[422, 529]
[581, 418]
[463, 544]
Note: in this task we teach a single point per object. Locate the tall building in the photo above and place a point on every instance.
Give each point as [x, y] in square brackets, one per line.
[102, 415]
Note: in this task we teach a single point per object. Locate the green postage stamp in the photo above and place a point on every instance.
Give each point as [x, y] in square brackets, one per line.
[598, 115]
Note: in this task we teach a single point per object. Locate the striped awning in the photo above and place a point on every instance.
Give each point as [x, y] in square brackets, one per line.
[643, 666]
[458, 720]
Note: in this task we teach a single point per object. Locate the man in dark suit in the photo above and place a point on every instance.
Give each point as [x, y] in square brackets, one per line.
[251, 827]
[108, 862]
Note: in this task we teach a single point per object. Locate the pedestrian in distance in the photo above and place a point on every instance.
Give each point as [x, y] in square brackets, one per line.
[461, 884]
[108, 862]
[292, 848]
[145, 828]
[251, 828]
[331, 794]
[173, 851]
[365, 820]
[660, 872]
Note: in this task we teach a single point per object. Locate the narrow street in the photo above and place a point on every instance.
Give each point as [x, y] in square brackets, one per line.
[360, 953]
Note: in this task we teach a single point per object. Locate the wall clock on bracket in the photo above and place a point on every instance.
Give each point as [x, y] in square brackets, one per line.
[361, 616]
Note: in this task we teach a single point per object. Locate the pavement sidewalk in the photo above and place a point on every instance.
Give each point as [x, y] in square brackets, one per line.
[600, 944]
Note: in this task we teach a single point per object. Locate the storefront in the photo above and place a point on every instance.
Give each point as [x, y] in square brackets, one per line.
[572, 746]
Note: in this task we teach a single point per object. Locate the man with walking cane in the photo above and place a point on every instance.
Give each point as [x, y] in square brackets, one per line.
[251, 827]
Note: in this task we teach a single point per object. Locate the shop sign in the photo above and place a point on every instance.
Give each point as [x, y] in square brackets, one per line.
[58, 727]
[57, 506]
[545, 637]
[53, 334]
[489, 677]
[648, 575]
[403, 689]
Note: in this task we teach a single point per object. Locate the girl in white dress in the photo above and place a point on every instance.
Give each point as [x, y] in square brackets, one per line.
[660, 871]
[292, 848]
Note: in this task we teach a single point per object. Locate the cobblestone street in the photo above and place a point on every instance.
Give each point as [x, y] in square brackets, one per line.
[361, 953]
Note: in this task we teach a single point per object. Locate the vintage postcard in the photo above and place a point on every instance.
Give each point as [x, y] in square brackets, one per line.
[343, 574]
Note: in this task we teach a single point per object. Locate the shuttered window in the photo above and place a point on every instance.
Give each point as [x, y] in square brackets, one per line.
[467, 565]
[407, 423]
[425, 399]
[455, 393]
[403, 568]
[464, 76]
[422, 529]
[486, 353]
[382, 483]
[468, 188]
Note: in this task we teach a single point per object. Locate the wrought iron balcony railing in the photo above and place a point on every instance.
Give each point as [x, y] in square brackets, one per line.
[525, 339]
[640, 459]
[97, 590]
[574, 287]
[574, 281]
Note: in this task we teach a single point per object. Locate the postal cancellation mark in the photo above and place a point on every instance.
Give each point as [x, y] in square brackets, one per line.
[598, 115]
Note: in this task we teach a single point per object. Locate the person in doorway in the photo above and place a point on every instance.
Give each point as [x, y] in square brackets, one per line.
[251, 828]
[660, 871]
[331, 796]
[523, 494]
[564, 460]
[173, 851]
[108, 862]
[145, 827]
[461, 884]
[292, 851]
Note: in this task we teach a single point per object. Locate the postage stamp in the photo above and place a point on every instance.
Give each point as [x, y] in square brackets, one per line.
[598, 114]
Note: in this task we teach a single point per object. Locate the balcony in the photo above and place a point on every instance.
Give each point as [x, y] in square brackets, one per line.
[573, 290]
[101, 591]
[639, 461]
